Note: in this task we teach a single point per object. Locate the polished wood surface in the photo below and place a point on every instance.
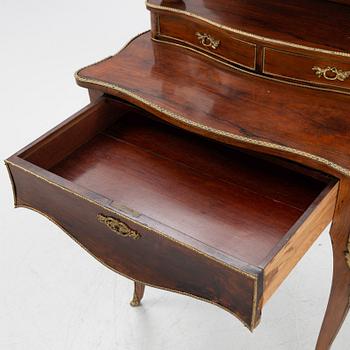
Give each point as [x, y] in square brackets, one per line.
[313, 23]
[234, 107]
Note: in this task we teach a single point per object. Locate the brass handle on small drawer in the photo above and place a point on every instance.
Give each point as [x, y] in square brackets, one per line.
[331, 73]
[118, 227]
[207, 40]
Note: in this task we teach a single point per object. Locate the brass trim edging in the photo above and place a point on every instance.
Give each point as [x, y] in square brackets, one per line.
[193, 47]
[247, 34]
[250, 327]
[12, 184]
[227, 134]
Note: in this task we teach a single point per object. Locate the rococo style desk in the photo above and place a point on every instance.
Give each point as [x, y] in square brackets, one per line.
[215, 150]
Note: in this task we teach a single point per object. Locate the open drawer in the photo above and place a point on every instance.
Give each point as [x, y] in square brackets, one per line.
[174, 210]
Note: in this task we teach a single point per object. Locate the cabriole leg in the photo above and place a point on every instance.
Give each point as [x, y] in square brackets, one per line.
[338, 304]
[139, 290]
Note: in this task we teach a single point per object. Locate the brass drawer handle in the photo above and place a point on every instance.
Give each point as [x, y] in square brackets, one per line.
[207, 40]
[331, 73]
[118, 227]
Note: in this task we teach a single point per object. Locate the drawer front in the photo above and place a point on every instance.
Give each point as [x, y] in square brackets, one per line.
[207, 38]
[134, 250]
[311, 69]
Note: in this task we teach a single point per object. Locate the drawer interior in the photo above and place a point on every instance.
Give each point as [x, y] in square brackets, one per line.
[236, 202]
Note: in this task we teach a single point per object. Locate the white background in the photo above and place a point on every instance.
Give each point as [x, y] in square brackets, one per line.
[53, 295]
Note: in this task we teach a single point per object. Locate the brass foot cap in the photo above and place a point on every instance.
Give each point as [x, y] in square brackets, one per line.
[135, 302]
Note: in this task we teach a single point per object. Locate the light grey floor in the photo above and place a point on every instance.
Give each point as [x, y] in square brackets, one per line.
[53, 295]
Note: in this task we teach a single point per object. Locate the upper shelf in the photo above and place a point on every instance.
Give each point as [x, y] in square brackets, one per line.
[311, 23]
[232, 106]
[296, 41]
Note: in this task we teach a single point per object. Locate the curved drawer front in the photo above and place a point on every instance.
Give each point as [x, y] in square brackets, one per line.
[328, 72]
[136, 251]
[207, 38]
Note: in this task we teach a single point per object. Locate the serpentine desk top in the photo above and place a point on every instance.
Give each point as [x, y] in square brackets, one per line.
[299, 123]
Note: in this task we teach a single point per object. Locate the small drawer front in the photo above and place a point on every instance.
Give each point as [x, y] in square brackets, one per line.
[219, 43]
[310, 69]
[136, 251]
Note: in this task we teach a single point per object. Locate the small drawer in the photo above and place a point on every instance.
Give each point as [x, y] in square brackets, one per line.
[331, 72]
[171, 209]
[219, 43]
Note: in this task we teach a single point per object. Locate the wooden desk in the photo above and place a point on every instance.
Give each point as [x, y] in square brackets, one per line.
[192, 174]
